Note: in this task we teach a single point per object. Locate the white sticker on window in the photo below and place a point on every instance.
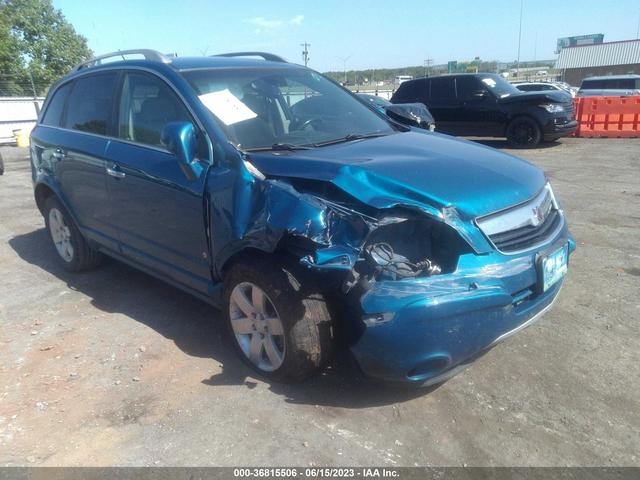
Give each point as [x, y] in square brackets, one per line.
[227, 107]
[489, 82]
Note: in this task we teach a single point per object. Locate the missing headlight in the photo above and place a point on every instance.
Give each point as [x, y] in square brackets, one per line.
[407, 248]
[393, 265]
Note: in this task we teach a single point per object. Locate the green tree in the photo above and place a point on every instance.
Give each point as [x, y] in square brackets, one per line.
[37, 44]
[10, 65]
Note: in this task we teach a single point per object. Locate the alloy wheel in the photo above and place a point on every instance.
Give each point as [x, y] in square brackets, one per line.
[257, 326]
[60, 234]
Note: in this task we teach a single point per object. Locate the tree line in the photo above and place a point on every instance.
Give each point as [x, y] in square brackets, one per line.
[37, 46]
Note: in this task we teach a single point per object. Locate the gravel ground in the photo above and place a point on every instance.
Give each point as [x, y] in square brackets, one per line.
[113, 367]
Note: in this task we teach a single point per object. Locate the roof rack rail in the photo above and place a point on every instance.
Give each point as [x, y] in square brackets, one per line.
[267, 56]
[151, 55]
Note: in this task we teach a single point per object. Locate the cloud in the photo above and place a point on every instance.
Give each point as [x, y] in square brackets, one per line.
[268, 25]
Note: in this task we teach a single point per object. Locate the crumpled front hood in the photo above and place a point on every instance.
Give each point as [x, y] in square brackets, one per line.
[424, 170]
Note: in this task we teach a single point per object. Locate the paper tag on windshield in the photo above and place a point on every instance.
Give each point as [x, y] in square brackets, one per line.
[227, 107]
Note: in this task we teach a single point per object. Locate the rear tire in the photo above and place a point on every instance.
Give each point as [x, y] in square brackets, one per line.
[523, 132]
[73, 251]
[277, 319]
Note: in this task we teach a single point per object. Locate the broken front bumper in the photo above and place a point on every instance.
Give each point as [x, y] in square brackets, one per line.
[424, 331]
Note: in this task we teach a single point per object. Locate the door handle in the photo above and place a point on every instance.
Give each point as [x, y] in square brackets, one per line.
[115, 172]
[58, 154]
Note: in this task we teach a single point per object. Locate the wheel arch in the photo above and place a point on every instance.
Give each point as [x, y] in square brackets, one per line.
[41, 193]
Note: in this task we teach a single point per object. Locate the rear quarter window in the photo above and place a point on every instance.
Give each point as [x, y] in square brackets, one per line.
[53, 115]
[412, 91]
[91, 103]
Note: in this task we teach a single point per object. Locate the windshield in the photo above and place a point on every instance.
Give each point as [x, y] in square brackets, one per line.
[293, 107]
[499, 86]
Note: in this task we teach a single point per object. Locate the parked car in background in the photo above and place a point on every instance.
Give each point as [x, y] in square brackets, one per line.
[612, 85]
[489, 106]
[544, 87]
[268, 190]
[413, 114]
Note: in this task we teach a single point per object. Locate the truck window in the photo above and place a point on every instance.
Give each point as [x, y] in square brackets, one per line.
[467, 86]
[443, 88]
[53, 115]
[413, 91]
[91, 102]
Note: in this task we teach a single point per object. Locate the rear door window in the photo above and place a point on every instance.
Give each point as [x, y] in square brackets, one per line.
[53, 115]
[443, 89]
[91, 103]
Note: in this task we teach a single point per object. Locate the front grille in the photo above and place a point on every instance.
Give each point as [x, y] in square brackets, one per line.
[525, 237]
[524, 226]
[570, 109]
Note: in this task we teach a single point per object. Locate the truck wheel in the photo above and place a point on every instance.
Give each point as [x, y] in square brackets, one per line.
[523, 132]
[74, 252]
[277, 319]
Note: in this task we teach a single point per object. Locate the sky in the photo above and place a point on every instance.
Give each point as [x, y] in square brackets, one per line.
[350, 33]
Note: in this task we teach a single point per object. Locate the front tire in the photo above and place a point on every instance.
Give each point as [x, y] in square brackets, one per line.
[73, 251]
[277, 319]
[523, 132]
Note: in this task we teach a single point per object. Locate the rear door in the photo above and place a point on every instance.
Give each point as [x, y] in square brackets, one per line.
[158, 212]
[444, 106]
[71, 140]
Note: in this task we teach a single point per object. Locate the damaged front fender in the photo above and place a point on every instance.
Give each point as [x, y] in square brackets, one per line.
[327, 235]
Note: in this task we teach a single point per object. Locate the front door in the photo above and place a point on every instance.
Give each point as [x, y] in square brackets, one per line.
[159, 212]
[478, 112]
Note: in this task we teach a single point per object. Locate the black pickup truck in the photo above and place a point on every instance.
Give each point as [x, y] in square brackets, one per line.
[486, 105]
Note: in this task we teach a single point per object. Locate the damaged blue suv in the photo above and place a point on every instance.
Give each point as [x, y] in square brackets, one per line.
[309, 217]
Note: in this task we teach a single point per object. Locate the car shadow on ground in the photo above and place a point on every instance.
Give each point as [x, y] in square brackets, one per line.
[197, 329]
[502, 144]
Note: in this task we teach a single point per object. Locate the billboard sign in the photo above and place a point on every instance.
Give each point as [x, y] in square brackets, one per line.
[579, 40]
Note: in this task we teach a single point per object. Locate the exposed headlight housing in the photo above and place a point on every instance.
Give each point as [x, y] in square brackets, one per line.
[552, 107]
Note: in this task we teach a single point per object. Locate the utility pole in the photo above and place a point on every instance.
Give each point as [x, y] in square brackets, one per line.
[519, 40]
[305, 52]
[344, 66]
[427, 66]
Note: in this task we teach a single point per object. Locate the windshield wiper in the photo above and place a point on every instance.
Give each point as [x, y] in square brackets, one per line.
[350, 137]
[279, 147]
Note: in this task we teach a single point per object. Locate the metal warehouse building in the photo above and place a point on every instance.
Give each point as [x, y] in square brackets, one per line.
[612, 58]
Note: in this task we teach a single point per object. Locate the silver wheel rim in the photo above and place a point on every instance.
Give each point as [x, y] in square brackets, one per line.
[257, 326]
[60, 234]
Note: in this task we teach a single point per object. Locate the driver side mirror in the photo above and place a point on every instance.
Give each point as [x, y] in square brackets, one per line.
[180, 139]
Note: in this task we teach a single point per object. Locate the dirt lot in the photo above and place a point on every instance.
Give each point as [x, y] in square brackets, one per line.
[113, 367]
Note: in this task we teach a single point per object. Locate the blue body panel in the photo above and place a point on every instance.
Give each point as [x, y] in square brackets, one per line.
[185, 228]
